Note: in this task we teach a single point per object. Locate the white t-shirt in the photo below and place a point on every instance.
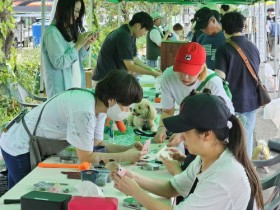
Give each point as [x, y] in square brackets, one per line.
[224, 185]
[155, 36]
[69, 116]
[173, 90]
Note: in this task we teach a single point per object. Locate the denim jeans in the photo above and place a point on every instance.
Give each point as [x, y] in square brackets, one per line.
[152, 63]
[18, 167]
[249, 126]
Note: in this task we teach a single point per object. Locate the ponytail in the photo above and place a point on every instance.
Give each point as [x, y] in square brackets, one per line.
[237, 145]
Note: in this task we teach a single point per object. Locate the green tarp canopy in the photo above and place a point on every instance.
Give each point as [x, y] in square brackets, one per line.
[194, 1]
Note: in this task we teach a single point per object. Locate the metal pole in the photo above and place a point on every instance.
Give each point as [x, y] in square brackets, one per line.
[151, 8]
[265, 36]
[276, 36]
[43, 18]
[277, 7]
[259, 37]
[119, 14]
[90, 29]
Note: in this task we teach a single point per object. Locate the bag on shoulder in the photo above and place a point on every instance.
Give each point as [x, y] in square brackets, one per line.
[264, 98]
[225, 84]
[41, 148]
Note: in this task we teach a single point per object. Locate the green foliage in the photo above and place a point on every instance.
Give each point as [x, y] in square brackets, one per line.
[8, 107]
[27, 68]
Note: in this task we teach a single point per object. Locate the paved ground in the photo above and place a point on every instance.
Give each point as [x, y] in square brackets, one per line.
[266, 129]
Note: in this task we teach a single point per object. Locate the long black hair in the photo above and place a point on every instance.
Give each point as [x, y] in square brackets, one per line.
[64, 14]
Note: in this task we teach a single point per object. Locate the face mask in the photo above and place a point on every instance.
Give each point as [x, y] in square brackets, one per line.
[116, 114]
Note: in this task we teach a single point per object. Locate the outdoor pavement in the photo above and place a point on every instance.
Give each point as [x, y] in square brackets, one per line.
[266, 129]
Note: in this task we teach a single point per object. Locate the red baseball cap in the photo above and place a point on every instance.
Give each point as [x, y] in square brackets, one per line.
[189, 58]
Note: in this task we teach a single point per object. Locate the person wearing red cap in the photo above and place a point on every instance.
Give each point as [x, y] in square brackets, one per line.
[188, 72]
[220, 178]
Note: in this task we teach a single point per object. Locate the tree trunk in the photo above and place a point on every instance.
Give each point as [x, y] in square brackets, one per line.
[7, 39]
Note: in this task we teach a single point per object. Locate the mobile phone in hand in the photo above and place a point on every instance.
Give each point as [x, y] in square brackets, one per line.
[146, 145]
[121, 171]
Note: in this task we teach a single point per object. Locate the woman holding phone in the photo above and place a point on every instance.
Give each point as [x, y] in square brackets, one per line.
[65, 46]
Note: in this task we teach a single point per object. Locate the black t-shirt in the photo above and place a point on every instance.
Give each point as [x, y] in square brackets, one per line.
[242, 85]
[119, 45]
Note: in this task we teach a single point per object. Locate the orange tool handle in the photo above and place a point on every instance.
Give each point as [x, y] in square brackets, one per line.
[57, 165]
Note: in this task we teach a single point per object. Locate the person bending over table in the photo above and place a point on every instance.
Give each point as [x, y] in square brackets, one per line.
[77, 116]
[119, 50]
[188, 72]
[221, 176]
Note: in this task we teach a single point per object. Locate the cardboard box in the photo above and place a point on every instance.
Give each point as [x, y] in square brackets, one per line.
[36, 200]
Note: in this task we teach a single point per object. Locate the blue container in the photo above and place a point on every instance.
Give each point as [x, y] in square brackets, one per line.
[36, 33]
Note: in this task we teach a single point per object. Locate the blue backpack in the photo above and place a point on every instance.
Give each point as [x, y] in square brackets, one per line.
[273, 29]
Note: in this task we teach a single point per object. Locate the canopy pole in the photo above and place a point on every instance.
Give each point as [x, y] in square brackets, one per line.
[119, 14]
[90, 29]
[43, 18]
[276, 37]
[265, 33]
[276, 56]
[259, 13]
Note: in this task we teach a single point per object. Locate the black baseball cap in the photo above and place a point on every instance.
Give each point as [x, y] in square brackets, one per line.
[202, 111]
[202, 17]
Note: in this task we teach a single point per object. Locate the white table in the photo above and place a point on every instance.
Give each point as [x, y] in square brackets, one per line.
[54, 175]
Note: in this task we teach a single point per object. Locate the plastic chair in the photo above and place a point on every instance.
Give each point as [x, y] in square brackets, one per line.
[273, 202]
[270, 162]
[274, 144]
[20, 94]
